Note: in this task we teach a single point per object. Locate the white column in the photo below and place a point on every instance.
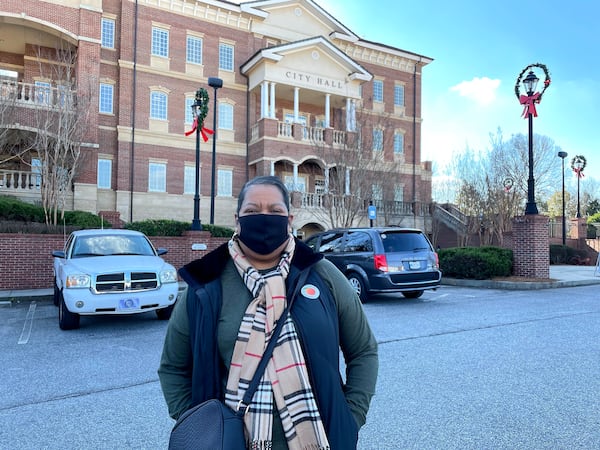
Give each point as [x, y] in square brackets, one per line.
[296, 103]
[327, 106]
[350, 115]
[327, 179]
[272, 168]
[347, 182]
[295, 177]
[272, 107]
[264, 93]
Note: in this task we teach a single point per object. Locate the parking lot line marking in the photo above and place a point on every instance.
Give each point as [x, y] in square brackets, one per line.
[27, 325]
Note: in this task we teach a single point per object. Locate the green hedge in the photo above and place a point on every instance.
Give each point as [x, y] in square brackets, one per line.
[565, 255]
[14, 210]
[478, 263]
[166, 227]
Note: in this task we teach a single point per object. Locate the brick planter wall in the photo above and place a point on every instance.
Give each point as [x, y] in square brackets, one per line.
[26, 261]
[530, 246]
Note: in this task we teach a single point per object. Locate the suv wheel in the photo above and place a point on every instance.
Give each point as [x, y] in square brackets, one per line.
[412, 294]
[358, 284]
[66, 319]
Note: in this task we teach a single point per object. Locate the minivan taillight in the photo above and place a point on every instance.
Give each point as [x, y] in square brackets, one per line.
[437, 260]
[381, 263]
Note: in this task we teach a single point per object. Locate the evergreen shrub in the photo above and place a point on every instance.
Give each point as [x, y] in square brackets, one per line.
[478, 263]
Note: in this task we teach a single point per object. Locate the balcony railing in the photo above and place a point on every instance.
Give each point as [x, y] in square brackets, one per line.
[34, 94]
[19, 180]
[287, 130]
[310, 200]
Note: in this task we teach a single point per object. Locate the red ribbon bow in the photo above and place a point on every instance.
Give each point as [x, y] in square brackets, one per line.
[578, 173]
[529, 102]
[203, 131]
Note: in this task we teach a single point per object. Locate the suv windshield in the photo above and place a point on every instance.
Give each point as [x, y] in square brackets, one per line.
[404, 242]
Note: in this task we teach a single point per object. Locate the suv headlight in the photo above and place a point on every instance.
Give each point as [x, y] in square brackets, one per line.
[168, 276]
[78, 280]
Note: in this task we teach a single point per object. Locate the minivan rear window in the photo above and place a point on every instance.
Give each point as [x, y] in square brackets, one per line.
[404, 242]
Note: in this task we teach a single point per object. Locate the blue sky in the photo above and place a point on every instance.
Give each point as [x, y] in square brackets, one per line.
[479, 49]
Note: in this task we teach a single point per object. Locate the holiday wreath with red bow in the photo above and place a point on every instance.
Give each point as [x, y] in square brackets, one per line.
[199, 118]
[529, 101]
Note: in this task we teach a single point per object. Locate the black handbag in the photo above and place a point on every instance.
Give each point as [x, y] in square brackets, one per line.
[212, 425]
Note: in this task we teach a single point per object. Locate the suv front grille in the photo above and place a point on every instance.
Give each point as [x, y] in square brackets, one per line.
[125, 282]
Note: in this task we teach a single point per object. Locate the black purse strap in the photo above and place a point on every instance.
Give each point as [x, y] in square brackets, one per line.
[245, 402]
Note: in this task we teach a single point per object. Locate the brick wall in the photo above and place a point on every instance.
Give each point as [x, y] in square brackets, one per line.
[530, 246]
[26, 261]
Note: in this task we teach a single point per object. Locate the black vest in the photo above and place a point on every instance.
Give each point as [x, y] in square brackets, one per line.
[316, 322]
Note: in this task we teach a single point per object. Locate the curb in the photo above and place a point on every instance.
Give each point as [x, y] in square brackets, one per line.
[517, 285]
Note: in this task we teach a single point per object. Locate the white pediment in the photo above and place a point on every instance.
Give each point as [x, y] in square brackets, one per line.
[294, 20]
[314, 64]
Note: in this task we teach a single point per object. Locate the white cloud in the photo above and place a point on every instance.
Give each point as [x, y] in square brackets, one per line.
[482, 90]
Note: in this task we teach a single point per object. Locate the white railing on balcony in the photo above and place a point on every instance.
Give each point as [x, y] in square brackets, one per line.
[339, 137]
[18, 180]
[313, 134]
[34, 94]
[312, 200]
[284, 129]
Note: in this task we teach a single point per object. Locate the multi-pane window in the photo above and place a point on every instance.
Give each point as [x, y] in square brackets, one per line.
[107, 32]
[189, 180]
[225, 116]
[36, 170]
[64, 95]
[42, 92]
[225, 182]
[377, 140]
[299, 185]
[158, 105]
[399, 193]
[160, 42]
[399, 95]
[193, 53]
[398, 143]
[104, 173]
[106, 98]
[378, 91]
[226, 57]
[157, 177]
[189, 115]
[377, 192]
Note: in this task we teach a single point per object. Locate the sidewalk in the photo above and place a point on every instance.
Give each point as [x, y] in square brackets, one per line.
[560, 276]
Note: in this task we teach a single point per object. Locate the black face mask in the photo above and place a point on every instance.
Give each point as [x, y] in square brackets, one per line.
[263, 233]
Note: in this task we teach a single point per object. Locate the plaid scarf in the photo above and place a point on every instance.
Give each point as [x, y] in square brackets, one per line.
[285, 379]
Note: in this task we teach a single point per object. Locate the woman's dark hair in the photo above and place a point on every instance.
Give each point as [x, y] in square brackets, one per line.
[266, 180]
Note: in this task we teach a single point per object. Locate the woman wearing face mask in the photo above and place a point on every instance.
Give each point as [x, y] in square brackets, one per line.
[206, 344]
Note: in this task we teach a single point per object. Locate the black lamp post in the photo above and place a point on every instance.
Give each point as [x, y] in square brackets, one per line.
[578, 164]
[196, 106]
[530, 83]
[563, 155]
[215, 83]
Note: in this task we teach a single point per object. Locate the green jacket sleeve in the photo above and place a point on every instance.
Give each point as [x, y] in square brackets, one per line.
[175, 370]
[357, 342]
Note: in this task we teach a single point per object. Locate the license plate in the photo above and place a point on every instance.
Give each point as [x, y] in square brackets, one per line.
[414, 265]
[129, 303]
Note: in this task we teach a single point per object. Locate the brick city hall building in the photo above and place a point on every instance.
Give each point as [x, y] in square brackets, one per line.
[303, 97]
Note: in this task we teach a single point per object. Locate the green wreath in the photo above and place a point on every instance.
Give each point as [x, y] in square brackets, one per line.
[202, 96]
[520, 80]
[575, 159]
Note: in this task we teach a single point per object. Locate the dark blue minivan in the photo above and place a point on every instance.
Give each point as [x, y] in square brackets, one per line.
[377, 260]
